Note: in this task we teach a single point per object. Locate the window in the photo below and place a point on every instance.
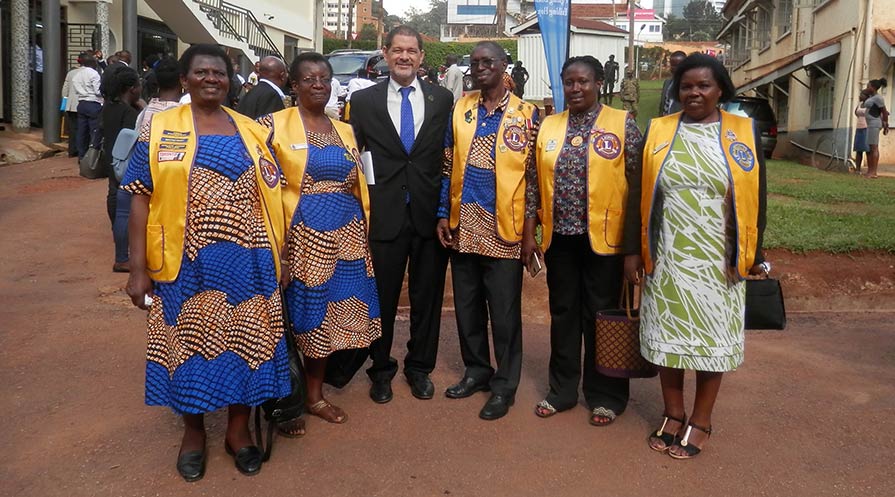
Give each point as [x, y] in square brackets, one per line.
[655, 28]
[781, 102]
[784, 17]
[763, 28]
[822, 96]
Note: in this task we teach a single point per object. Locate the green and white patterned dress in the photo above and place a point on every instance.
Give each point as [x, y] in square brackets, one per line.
[693, 304]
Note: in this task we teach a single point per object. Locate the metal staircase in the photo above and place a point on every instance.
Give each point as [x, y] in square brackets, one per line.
[216, 21]
[236, 22]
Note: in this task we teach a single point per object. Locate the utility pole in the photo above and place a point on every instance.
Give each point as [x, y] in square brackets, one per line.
[351, 4]
[631, 63]
[52, 82]
[339, 31]
[500, 18]
[381, 22]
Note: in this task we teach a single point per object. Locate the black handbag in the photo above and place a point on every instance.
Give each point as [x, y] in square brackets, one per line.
[765, 309]
[90, 166]
[285, 408]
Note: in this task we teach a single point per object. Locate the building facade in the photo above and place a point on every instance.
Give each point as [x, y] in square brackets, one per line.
[811, 58]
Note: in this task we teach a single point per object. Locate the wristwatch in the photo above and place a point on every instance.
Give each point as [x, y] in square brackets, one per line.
[766, 267]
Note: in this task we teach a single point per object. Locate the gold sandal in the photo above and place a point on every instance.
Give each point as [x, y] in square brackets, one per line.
[328, 412]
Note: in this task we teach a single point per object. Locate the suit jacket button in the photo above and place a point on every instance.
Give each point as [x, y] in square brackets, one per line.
[403, 187]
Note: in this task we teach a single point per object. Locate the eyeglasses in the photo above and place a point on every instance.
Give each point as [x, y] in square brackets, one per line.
[486, 63]
[307, 80]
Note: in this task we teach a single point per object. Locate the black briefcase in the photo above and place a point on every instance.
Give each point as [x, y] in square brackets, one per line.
[765, 309]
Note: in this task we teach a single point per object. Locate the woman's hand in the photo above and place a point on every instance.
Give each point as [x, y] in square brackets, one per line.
[443, 230]
[761, 269]
[634, 268]
[138, 287]
[529, 245]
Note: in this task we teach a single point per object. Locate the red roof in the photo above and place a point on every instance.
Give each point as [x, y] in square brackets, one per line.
[888, 35]
[596, 25]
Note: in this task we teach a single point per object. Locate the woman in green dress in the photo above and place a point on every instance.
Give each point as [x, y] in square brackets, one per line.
[695, 220]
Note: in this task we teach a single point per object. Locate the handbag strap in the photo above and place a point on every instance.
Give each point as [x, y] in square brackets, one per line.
[626, 299]
[259, 441]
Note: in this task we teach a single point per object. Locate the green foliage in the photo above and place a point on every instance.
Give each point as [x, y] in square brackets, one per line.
[436, 51]
[648, 107]
[810, 209]
[428, 21]
[700, 23]
[367, 32]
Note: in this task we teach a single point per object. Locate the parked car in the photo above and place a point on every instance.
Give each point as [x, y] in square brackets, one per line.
[348, 64]
[760, 110]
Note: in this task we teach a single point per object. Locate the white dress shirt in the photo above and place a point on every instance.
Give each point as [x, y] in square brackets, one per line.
[86, 85]
[453, 81]
[417, 102]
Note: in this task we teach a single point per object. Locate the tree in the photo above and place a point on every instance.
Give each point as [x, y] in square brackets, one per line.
[700, 23]
[391, 21]
[367, 32]
[428, 22]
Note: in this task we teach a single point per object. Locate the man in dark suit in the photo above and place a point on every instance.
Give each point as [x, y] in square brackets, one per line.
[268, 96]
[402, 123]
[668, 103]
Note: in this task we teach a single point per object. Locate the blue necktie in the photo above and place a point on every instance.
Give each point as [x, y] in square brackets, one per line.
[406, 119]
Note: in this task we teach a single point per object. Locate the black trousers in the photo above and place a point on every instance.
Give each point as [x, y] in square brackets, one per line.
[580, 284]
[486, 286]
[71, 129]
[427, 264]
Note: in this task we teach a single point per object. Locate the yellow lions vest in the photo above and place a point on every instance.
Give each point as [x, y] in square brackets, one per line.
[510, 153]
[607, 187]
[738, 142]
[172, 149]
[290, 144]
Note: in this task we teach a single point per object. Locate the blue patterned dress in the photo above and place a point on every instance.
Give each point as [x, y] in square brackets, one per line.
[332, 299]
[215, 336]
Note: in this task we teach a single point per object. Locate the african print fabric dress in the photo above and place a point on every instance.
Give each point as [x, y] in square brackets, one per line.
[692, 313]
[332, 299]
[216, 334]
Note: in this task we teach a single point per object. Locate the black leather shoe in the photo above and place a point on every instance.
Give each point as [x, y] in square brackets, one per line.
[497, 406]
[247, 459]
[420, 385]
[191, 465]
[466, 387]
[381, 391]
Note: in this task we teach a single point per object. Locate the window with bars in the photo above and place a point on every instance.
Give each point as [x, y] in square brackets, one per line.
[763, 27]
[822, 91]
[781, 103]
[783, 17]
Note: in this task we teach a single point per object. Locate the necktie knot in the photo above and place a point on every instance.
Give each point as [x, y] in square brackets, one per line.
[405, 92]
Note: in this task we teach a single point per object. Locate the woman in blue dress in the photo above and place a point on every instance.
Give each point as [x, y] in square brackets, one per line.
[206, 230]
[328, 272]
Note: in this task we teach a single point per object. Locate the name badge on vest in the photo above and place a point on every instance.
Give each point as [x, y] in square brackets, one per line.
[168, 156]
[742, 155]
[298, 146]
[608, 146]
[514, 137]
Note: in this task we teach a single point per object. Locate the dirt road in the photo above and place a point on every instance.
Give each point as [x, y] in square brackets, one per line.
[811, 412]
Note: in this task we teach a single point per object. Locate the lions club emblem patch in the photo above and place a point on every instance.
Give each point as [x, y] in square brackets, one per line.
[514, 138]
[608, 146]
[269, 172]
[742, 155]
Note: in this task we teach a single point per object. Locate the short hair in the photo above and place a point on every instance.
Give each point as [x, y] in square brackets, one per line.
[587, 60]
[450, 59]
[310, 57]
[403, 30]
[878, 83]
[493, 46]
[118, 80]
[167, 73]
[698, 61]
[207, 49]
[678, 53]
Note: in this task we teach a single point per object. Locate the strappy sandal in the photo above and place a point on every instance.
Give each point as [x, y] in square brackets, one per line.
[602, 416]
[661, 435]
[294, 428]
[690, 450]
[328, 412]
[544, 409]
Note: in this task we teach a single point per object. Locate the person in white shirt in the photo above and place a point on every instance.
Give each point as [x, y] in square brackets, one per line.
[453, 77]
[86, 83]
[70, 101]
[332, 107]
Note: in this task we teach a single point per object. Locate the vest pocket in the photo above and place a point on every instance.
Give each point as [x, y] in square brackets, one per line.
[155, 247]
[613, 231]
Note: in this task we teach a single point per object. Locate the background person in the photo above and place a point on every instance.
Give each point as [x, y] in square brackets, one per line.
[403, 207]
[268, 96]
[120, 111]
[487, 162]
[630, 92]
[579, 199]
[70, 94]
[610, 69]
[520, 77]
[86, 84]
[453, 77]
[705, 169]
[328, 271]
[861, 146]
[216, 335]
[668, 103]
[877, 120]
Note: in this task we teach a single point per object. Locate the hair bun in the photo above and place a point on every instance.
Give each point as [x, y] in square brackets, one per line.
[882, 82]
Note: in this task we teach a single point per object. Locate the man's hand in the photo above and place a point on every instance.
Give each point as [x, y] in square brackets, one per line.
[138, 287]
[443, 230]
[634, 268]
